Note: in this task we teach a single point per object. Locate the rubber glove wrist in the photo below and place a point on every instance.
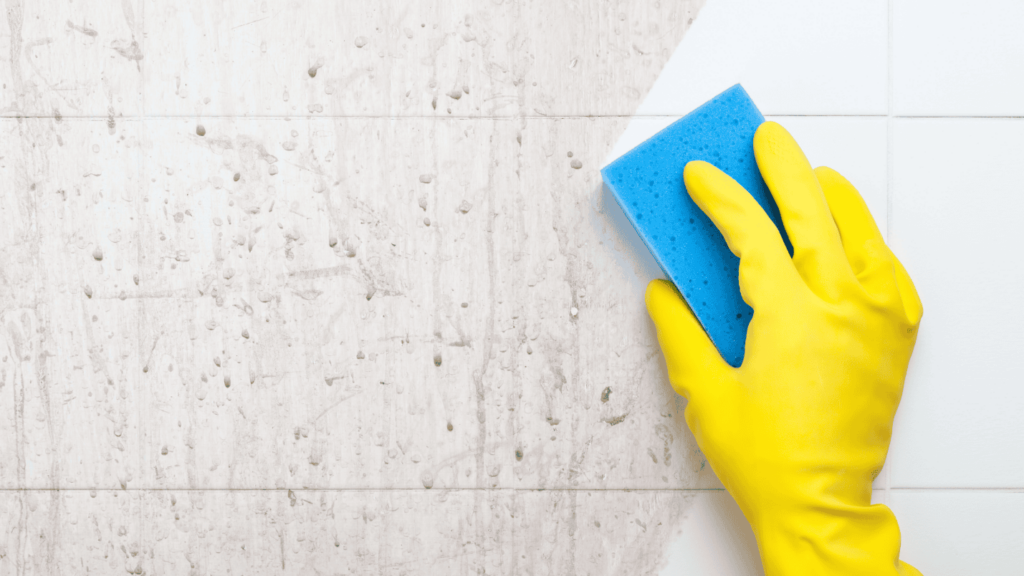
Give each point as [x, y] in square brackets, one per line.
[830, 537]
[827, 526]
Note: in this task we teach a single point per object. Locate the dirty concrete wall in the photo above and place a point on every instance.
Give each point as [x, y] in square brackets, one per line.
[329, 287]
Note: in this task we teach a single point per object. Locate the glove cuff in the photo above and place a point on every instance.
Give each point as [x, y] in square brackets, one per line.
[831, 537]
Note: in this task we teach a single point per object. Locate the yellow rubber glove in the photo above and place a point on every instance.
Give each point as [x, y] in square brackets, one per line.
[799, 431]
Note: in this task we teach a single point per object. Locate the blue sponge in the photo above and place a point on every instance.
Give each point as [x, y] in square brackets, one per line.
[648, 183]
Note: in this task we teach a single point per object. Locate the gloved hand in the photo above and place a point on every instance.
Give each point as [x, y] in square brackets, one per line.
[799, 431]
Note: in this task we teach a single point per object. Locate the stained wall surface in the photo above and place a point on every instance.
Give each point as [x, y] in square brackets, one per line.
[329, 287]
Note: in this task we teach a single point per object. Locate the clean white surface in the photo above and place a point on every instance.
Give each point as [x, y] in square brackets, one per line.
[802, 57]
[956, 226]
[956, 58]
[959, 532]
[715, 538]
[793, 57]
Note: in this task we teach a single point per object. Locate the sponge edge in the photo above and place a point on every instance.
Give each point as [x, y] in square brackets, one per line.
[648, 184]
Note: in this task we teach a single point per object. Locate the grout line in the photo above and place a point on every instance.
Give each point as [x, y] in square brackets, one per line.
[955, 117]
[142, 65]
[304, 489]
[1007, 490]
[141, 513]
[889, 132]
[888, 183]
[416, 116]
[955, 489]
[143, 118]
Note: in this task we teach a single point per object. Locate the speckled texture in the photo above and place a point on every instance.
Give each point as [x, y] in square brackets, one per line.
[648, 184]
[299, 288]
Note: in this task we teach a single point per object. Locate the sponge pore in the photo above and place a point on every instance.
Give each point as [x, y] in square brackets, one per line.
[648, 184]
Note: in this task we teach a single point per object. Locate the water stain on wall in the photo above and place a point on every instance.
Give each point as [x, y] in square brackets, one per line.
[296, 291]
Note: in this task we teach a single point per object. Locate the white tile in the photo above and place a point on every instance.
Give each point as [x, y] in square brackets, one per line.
[854, 147]
[956, 227]
[244, 58]
[602, 68]
[958, 58]
[879, 496]
[797, 57]
[881, 481]
[714, 538]
[432, 58]
[68, 196]
[390, 400]
[601, 532]
[325, 532]
[640, 128]
[961, 532]
[72, 59]
[599, 374]
[73, 532]
[457, 532]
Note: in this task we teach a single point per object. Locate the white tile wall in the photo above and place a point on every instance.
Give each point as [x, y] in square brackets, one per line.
[955, 58]
[953, 532]
[714, 539]
[956, 226]
[72, 59]
[794, 57]
[947, 192]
